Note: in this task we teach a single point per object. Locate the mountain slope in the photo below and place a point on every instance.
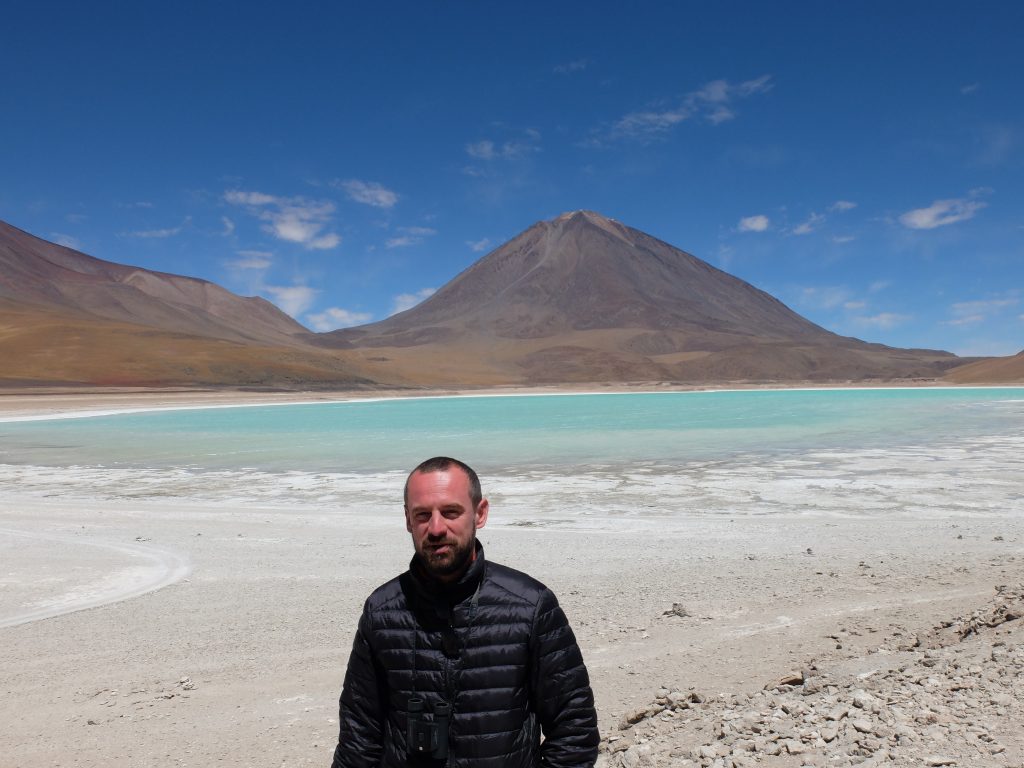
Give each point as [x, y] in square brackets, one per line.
[585, 298]
[994, 370]
[34, 272]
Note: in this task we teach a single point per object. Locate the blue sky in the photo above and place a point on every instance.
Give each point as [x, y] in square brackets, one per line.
[863, 162]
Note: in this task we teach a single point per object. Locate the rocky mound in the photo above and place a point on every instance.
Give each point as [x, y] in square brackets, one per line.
[952, 696]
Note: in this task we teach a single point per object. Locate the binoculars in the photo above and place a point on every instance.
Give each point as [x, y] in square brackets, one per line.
[427, 731]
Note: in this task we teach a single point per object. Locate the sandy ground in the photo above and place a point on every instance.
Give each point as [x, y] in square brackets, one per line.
[143, 633]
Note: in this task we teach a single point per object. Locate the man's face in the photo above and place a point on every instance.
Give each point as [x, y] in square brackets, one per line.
[443, 521]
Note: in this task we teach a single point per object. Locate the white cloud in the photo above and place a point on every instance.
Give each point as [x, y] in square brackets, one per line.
[335, 317]
[573, 66]
[292, 219]
[810, 225]
[762, 84]
[843, 239]
[637, 124]
[324, 243]
[368, 193]
[715, 91]
[720, 115]
[66, 240]
[298, 222]
[973, 312]
[757, 223]
[965, 320]
[714, 102]
[479, 246]
[970, 88]
[942, 213]
[824, 297]
[157, 233]
[883, 320]
[229, 226]
[482, 150]
[854, 305]
[984, 305]
[240, 197]
[842, 205]
[411, 236]
[486, 149]
[293, 299]
[252, 260]
[879, 285]
[139, 204]
[406, 301]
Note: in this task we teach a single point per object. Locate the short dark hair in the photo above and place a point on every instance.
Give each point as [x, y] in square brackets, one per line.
[443, 464]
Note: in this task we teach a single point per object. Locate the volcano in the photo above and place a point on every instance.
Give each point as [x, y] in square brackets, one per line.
[584, 298]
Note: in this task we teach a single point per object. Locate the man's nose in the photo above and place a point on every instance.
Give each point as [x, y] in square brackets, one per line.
[437, 525]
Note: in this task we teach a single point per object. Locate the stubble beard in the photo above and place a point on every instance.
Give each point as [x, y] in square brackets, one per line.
[450, 563]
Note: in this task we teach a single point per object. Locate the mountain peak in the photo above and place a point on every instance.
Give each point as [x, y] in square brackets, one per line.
[593, 216]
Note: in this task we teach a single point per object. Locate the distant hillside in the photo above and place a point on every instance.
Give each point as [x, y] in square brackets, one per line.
[70, 319]
[579, 299]
[994, 370]
[34, 272]
[583, 298]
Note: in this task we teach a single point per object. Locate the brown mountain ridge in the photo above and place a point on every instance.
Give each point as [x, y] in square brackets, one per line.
[67, 318]
[577, 299]
[583, 298]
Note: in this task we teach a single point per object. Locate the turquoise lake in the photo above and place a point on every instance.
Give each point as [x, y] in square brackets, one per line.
[595, 461]
[501, 433]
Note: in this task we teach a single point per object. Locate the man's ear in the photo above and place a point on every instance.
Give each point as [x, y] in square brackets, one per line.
[408, 522]
[481, 513]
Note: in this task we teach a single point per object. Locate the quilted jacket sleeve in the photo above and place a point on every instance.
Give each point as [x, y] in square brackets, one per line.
[562, 697]
[362, 706]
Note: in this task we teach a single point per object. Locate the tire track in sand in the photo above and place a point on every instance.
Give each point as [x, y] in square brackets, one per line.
[165, 567]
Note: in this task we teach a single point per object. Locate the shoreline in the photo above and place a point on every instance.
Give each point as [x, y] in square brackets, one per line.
[29, 405]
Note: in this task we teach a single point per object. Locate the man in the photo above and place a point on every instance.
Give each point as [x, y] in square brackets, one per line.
[460, 661]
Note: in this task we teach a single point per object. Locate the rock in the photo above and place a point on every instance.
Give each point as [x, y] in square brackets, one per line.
[677, 609]
[637, 756]
[678, 699]
[790, 679]
[863, 700]
[863, 726]
[636, 715]
[935, 760]
[620, 746]
[795, 747]
[837, 713]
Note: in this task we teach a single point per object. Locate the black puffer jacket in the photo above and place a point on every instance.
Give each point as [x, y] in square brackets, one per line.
[496, 646]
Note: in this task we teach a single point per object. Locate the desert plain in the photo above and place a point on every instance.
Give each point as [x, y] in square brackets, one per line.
[868, 624]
